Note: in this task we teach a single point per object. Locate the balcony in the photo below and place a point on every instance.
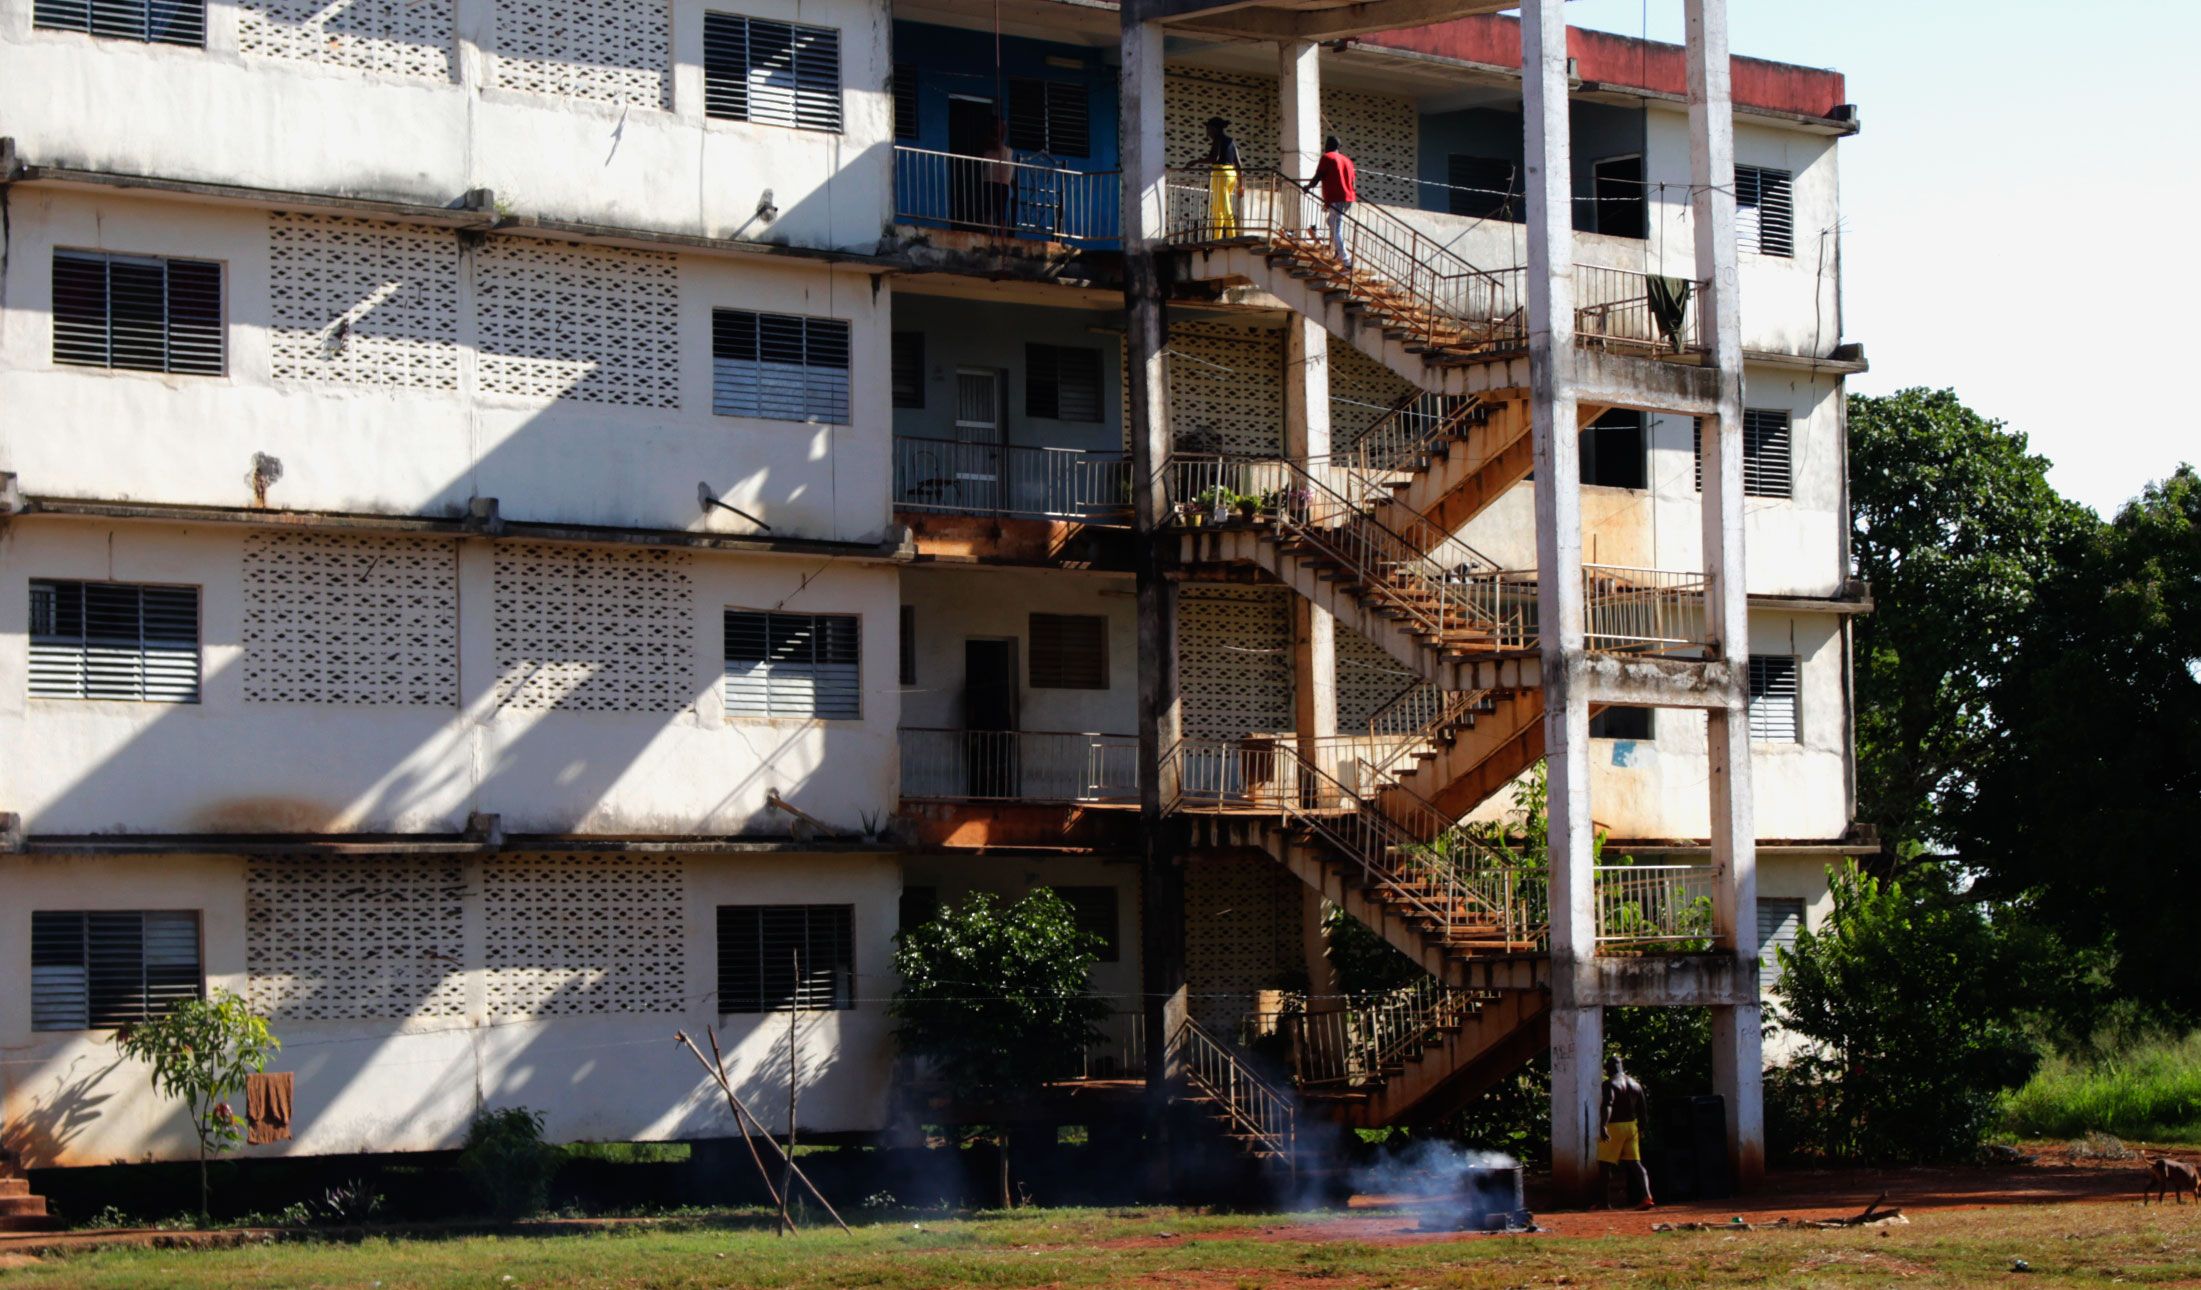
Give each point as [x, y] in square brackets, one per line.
[1032, 200]
[949, 477]
[1029, 766]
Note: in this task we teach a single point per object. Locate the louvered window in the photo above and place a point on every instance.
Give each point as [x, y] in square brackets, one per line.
[1768, 468]
[781, 367]
[1773, 698]
[909, 369]
[1095, 912]
[1062, 382]
[793, 665]
[132, 312]
[165, 22]
[1765, 210]
[773, 73]
[1484, 188]
[1069, 652]
[772, 955]
[905, 101]
[1625, 723]
[1049, 117]
[99, 970]
[114, 640]
[1778, 922]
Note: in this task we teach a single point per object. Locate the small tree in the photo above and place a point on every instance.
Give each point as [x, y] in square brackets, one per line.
[1916, 998]
[996, 998]
[201, 1051]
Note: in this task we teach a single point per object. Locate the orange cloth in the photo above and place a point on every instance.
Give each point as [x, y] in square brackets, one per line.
[267, 1107]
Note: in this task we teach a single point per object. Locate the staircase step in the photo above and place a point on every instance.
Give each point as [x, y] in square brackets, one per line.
[22, 1206]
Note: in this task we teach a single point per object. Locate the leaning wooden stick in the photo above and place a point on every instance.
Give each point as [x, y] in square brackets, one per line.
[741, 1111]
[718, 1072]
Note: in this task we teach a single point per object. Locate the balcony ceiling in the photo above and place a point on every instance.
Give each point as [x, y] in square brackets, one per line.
[1306, 19]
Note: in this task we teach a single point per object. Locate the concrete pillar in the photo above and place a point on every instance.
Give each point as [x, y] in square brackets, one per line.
[1737, 1062]
[1146, 426]
[1577, 1027]
[1306, 394]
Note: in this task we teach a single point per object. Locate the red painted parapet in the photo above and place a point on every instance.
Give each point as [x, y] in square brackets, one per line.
[1495, 41]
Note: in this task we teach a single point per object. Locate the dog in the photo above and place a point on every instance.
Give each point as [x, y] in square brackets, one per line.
[2166, 1176]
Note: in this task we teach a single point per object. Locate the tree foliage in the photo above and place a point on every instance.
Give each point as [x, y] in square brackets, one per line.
[996, 997]
[1956, 528]
[1915, 999]
[2093, 798]
[200, 1053]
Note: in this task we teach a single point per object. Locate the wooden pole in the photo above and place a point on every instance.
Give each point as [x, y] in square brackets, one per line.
[716, 1065]
[794, 1000]
[741, 1110]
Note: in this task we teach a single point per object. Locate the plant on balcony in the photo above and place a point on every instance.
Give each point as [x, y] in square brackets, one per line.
[201, 1052]
[995, 1000]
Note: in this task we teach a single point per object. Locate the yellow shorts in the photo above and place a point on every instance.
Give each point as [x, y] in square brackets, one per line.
[1623, 1141]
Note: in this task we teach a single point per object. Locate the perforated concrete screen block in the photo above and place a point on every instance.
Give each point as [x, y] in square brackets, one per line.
[582, 935]
[1234, 663]
[389, 37]
[559, 320]
[333, 618]
[594, 629]
[355, 938]
[610, 51]
[363, 302]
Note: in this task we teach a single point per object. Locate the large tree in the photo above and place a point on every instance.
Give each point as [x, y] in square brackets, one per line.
[1955, 527]
[2091, 802]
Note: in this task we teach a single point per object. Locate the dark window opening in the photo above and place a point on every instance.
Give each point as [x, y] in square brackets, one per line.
[1485, 188]
[909, 369]
[908, 644]
[1069, 652]
[1617, 186]
[1625, 723]
[1062, 382]
[1613, 453]
[771, 956]
[919, 906]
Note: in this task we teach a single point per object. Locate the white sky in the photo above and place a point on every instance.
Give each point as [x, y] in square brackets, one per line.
[2007, 208]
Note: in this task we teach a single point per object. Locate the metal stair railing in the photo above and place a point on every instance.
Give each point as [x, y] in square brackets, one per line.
[1406, 435]
[1413, 719]
[1354, 1045]
[1254, 1107]
[1440, 585]
[1421, 286]
[1407, 849]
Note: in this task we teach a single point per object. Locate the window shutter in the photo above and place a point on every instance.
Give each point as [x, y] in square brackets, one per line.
[1062, 382]
[1766, 465]
[905, 101]
[1484, 187]
[112, 640]
[771, 955]
[167, 22]
[1773, 698]
[137, 314]
[1069, 126]
[793, 665]
[1778, 922]
[909, 369]
[817, 78]
[1069, 651]
[1765, 211]
[779, 366]
[726, 66]
[110, 968]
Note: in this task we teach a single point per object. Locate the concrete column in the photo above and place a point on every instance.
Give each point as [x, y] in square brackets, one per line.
[1577, 1026]
[1146, 426]
[1737, 1062]
[1306, 438]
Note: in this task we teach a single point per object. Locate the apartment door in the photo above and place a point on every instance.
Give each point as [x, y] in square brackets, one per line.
[970, 134]
[990, 688]
[978, 435]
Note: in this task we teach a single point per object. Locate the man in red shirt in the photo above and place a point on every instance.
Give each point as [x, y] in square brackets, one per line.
[1334, 173]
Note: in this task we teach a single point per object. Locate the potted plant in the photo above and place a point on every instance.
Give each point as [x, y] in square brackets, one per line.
[1247, 505]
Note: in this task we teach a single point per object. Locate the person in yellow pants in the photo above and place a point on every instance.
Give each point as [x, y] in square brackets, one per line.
[1620, 1133]
[1222, 180]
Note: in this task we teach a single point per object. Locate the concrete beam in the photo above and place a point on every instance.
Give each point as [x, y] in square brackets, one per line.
[1667, 980]
[1644, 681]
[1249, 22]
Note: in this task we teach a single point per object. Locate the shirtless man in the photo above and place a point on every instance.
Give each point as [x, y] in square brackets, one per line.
[1620, 1132]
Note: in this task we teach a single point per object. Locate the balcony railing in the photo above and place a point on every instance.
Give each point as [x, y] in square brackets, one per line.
[957, 478]
[1120, 1049]
[1025, 199]
[1632, 610]
[1019, 766]
[1626, 309]
[1649, 904]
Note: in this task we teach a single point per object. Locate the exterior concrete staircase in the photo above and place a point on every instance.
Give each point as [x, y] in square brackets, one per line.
[20, 1211]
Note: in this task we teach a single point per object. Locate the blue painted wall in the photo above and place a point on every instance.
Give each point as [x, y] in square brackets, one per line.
[951, 60]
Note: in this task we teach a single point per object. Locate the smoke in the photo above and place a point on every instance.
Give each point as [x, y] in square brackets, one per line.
[1455, 1187]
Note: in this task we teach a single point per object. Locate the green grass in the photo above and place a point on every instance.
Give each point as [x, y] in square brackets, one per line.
[2150, 1093]
[2070, 1244]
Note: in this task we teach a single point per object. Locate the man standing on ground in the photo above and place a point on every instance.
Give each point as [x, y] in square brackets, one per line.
[1620, 1133]
[1334, 174]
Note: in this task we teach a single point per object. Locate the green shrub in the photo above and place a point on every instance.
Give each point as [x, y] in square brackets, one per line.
[2150, 1092]
[507, 1163]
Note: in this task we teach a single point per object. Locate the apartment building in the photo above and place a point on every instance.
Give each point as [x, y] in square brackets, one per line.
[534, 524]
